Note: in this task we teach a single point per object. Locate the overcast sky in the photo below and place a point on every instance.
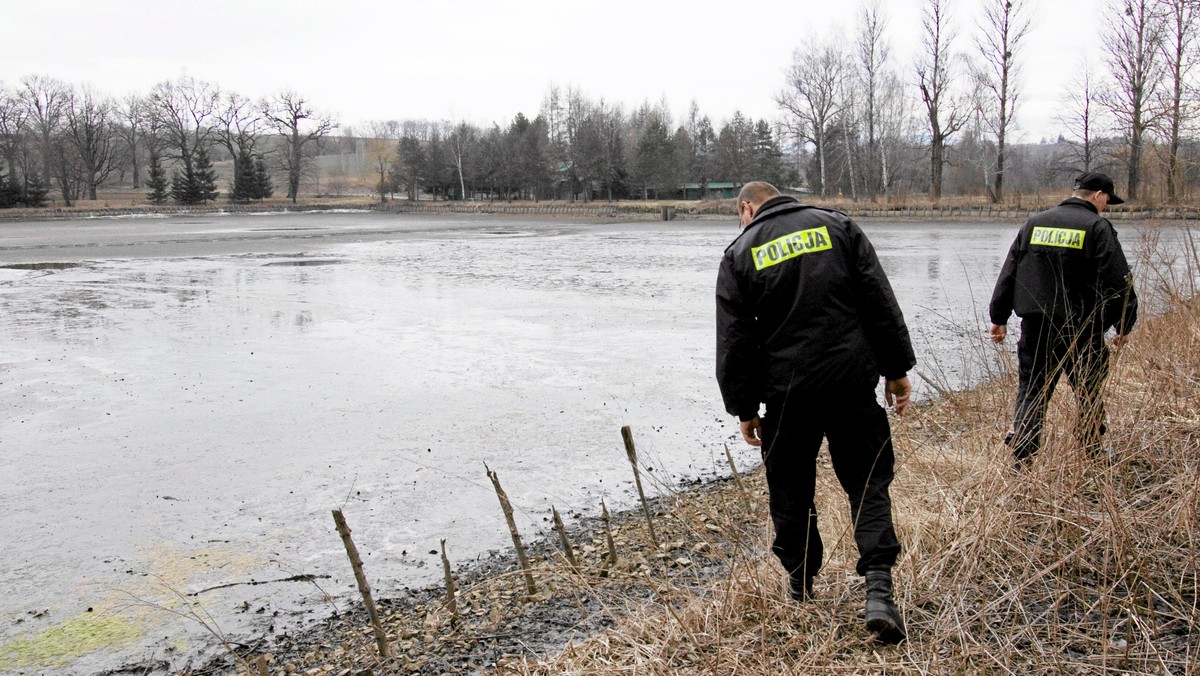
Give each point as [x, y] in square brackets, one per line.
[483, 61]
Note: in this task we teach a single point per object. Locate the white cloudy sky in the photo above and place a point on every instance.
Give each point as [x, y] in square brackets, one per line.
[484, 61]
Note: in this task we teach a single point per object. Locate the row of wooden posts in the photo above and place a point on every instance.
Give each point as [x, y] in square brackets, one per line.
[530, 585]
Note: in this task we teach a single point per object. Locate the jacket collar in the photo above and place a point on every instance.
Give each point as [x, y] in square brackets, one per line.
[773, 206]
[1076, 202]
[770, 208]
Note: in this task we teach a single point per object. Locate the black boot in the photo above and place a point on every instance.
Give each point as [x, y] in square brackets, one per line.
[800, 588]
[883, 617]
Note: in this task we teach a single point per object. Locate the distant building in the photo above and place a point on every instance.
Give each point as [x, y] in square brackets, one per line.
[710, 191]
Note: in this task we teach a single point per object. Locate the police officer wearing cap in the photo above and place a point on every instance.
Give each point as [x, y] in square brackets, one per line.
[1066, 277]
[807, 323]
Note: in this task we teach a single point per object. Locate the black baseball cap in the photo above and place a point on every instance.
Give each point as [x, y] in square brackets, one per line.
[1094, 180]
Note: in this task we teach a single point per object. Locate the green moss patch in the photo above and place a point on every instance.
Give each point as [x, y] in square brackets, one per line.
[77, 636]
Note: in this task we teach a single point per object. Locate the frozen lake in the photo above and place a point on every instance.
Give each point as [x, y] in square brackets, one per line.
[185, 399]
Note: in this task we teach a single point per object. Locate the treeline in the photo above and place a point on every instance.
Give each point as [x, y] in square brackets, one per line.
[875, 124]
[854, 122]
[576, 148]
[67, 140]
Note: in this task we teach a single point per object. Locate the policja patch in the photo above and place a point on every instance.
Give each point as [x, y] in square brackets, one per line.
[788, 247]
[1060, 237]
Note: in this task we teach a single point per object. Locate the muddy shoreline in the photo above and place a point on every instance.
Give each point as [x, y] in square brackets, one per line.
[499, 622]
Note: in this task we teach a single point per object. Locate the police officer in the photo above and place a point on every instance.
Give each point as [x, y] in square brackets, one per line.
[806, 323]
[1067, 279]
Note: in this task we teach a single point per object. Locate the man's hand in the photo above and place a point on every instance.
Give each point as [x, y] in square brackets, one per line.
[896, 394]
[998, 333]
[752, 431]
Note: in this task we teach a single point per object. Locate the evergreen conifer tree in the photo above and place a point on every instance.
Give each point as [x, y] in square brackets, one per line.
[34, 192]
[181, 186]
[243, 189]
[157, 181]
[204, 177]
[8, 196]
[263, 187]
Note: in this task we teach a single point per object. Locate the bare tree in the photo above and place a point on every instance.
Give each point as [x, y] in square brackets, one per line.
[1179, 56]
[872, 53]
[131, 126]
[814, 96]
[458, 140]
[290, 115]
[183, 110]
[90, 133]
[381, 149]
[934, 79]
[1004, 26]
[1134, 49]
[44, 99]
[847, 124]
[14, 147]
[974, 148]
[611, 121]
[895, 123]
[1080, 119]
[237, 124]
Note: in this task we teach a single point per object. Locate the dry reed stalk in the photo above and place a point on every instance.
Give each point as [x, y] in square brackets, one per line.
[451, 588]
[737, 479]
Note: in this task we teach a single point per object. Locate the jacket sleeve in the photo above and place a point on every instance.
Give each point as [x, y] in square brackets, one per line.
[738, 352]
[1001, 306]
[1117, 300]
[878, 311]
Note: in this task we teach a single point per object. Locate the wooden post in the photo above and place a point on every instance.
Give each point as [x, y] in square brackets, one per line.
[562, 538]
[737, 479]
[631, 453]
[363, 587]
[512, 530]
[451, 588]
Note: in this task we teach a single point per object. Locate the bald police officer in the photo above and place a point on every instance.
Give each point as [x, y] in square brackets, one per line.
[807, 323]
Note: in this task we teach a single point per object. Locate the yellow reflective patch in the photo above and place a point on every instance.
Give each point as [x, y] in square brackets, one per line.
[1061, 237]
[789, 246]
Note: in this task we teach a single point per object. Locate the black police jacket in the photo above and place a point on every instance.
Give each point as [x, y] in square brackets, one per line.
[1067, 266]
[803, 306]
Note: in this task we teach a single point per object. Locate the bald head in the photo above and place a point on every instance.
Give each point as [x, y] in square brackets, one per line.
[752, 196]
[757, 192]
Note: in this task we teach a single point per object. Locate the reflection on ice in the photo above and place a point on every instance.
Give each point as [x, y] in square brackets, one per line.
[39, 266]
[304, 263]
[295, 229]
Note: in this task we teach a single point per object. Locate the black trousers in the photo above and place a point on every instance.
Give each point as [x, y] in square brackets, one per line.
[860, 446]
[1045, 352]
